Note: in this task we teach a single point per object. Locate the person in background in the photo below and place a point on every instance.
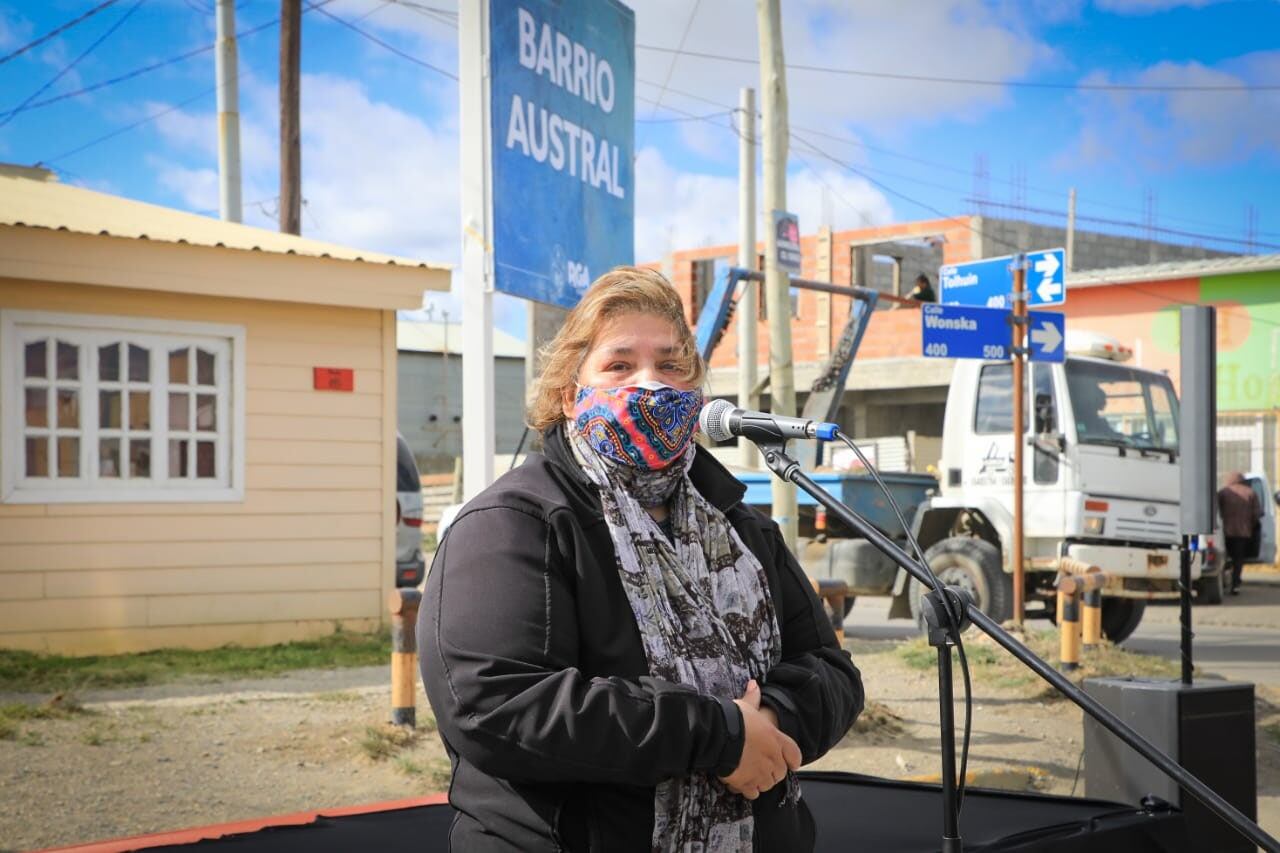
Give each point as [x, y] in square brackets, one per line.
[1241, 514]
[620, 654]
[923, 290]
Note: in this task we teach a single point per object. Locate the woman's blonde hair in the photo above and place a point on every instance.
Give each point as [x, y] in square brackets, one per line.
[622, 290]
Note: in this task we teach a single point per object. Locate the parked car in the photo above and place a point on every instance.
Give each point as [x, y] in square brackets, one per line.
[410, 565]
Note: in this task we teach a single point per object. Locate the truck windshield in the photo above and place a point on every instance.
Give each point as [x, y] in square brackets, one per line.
[1118, 405]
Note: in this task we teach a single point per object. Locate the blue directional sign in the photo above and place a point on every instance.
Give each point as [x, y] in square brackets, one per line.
[562, 121]
[961, 331]
[1046, 334]
[989, 282]
[957, 331]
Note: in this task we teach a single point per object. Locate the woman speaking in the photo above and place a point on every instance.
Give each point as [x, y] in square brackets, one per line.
[620, 654]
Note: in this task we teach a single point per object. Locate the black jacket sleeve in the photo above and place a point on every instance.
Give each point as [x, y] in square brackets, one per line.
[499, 641]
[815, 689]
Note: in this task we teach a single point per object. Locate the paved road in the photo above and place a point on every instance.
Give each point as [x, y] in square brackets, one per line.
[1239, 639]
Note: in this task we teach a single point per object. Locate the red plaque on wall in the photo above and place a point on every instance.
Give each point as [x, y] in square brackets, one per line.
[335, 379]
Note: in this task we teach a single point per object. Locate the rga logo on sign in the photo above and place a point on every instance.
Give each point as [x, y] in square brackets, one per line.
[562, 118]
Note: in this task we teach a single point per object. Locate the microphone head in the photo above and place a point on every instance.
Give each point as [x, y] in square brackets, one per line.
[714, 420]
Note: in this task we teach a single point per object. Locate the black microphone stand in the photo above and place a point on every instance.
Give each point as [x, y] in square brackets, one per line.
[788, 469]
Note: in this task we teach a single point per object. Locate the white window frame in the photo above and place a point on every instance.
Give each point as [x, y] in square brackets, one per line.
[88, 332]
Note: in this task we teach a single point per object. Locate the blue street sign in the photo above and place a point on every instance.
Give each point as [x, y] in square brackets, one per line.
[1046, 333]
[989, 282]
[962, 331]
[957, 331]
[562, 120]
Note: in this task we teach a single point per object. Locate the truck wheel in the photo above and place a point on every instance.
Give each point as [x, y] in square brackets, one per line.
[1209, 589]
[1120, 617]
[972, 565]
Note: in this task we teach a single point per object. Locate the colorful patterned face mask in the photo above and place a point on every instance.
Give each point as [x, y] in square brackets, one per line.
[645, 426]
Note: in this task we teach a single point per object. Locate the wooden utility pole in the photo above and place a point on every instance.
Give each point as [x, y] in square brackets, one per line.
[290, 132]
[1019, 426]
[748, 315]
[782, 389]
[1071, 234]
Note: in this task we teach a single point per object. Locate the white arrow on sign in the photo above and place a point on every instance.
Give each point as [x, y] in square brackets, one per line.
[1047, 336]
[1048, 288]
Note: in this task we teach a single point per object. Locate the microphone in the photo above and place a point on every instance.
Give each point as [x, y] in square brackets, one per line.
[721, 421]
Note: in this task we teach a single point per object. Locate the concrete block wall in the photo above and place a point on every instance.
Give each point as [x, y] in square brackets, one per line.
[1092, 249]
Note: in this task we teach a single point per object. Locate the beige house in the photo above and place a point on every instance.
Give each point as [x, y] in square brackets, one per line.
[179, 462]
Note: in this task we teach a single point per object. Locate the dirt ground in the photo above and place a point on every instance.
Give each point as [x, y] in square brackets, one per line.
[151, 759]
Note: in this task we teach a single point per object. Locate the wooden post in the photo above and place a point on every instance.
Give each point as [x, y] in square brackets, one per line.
[290, 130]
[1019, 440]
[1069, 624]
[782, 389]
[404, 655]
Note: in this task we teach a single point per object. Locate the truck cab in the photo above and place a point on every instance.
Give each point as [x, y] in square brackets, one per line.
[1101, 483]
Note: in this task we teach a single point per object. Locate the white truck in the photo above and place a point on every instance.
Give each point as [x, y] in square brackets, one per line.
[1100, 485]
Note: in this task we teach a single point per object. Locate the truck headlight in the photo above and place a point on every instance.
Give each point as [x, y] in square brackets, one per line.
[1093, 524]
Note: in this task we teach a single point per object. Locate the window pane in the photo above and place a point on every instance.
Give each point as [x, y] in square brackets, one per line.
[206, 404]
[140, 458]
[109, 409]
[37, 366]
[109, 363]
[139, 410]
[205, 459]
[68, 409]
[139, 364]
[179, 366]
[204, 367]
[109, 457]
[178, 458]
[37, 407]
[68, 361]
[995, 400]
[179, 414]
[38, 457]
[68, 457]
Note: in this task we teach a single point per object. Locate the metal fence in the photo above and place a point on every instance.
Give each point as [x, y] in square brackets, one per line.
[1248, 441]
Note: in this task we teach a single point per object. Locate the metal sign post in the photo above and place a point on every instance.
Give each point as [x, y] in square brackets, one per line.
[477, 250]
[1019, 402]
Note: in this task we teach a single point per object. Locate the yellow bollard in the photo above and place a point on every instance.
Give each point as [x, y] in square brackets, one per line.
[404, 655]
[1091, 612]
[1069, 624]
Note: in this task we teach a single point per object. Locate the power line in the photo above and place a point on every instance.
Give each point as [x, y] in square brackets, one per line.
[1129, 224]
[146, 69]
[11, 114]
[688, 25]
[888, 152]
[118, 131]
[676, 119]
[974, 81]
[57, 30]
[389, 47]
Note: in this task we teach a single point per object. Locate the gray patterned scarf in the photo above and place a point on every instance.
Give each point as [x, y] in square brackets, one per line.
[706, 620]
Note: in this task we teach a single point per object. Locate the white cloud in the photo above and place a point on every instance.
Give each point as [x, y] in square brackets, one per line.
[954, 38]
[1163, 130]
[677, 209]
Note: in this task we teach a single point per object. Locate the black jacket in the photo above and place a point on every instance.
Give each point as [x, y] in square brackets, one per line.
[533, 664]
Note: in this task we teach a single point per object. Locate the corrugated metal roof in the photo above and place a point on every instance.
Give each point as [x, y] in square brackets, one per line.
[1174, 269]
[28, 201]
[426, 336]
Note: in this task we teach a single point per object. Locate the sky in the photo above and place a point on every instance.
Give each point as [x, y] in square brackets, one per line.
[380, 143]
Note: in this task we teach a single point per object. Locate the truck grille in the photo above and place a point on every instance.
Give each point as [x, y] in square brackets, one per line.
[1146, 528]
